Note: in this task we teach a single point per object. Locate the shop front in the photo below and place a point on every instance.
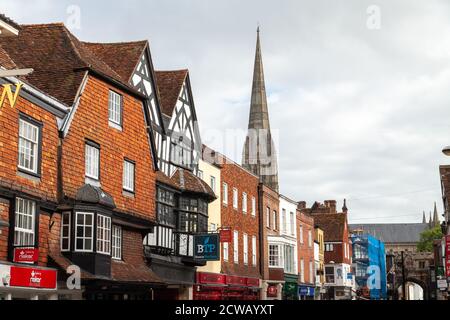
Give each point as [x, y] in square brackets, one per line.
[306, 292]
[290, 288]
[211, 286]
[18, 282]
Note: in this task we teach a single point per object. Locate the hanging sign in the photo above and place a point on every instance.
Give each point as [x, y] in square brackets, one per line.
[225, 236]
[206, 247]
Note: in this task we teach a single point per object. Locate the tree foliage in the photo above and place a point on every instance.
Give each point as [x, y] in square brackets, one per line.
[427, 238]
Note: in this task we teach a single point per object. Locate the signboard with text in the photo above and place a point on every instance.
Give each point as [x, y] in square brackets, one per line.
[225, 236]
[206, 247]
[447, 256]
[26, 255]
[33, 278]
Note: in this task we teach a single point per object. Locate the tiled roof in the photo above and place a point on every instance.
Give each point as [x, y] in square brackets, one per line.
[332, 224]
[126, 272]
[5, 60]
[9, 21]
[393, 233]
[122, 57]
[184, 180]
[58, 59]
[169, 85]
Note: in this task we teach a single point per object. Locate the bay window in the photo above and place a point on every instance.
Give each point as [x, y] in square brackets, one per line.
[117, 243]
[65, 231]
[289, 259]
[275, 256]
[103, 234]
[84, 228]
[25, 223]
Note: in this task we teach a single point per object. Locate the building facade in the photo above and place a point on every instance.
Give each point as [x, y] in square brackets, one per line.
[306, 258]
[339, 279]
[319, 258]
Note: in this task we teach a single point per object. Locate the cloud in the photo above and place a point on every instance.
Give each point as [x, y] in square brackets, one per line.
[360, 114]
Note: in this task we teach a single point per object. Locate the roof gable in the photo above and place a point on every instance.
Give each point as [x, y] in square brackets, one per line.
[170, 84]
[333, 225]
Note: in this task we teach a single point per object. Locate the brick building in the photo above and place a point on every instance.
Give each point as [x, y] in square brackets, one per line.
[28, 185]
[339, 279]
[306, 262]
[98, 165]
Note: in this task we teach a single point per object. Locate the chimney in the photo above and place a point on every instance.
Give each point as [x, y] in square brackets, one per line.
[301, 205]
[331, 205]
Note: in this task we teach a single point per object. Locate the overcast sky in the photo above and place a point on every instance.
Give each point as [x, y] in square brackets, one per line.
[360, 112]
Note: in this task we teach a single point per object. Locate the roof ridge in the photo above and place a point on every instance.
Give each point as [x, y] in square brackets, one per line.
[115, 43]
[71, 37]
[43, 24]
[177, 70]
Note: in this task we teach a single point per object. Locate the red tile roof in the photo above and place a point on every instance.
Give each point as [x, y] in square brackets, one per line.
[184, 180]
[126, 272]
[332, 224]
[5, 60]
[122, 57]
[58, 59]
[169, 85]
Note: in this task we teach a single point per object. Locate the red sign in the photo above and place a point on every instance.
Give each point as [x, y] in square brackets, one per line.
[233, 280]
[210, 278]
[225, 236]
[24, 255]
[252, 282]
[33, 278]
[272, 291]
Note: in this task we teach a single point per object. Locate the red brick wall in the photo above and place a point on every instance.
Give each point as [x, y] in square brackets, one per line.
[305, 252]
[270, 199]
[45, 187]
[236, 177]
[91, 122]
[132, 247]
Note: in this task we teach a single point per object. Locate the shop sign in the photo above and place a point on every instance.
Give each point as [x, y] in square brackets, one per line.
[7, 93]
[252, 282]
[442, 284]
[206, 247]
[272, 291]
[32, 278]
[225, 236]
[305, 291]
[26, 255]
[234, 280]
[447, 256]
[210, 278]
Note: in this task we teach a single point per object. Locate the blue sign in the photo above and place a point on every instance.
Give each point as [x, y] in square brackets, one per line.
[349, 276]
[207, 247]
[305, 291]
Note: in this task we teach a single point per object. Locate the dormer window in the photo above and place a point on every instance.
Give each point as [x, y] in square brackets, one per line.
[115, 110]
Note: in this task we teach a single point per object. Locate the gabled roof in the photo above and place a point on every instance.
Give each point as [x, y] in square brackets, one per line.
[169, 84]
[332, 224]
[122, 57]
[393, 233]
[58, 59]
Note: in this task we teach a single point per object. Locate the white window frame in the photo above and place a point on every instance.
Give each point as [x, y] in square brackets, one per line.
[279, 262]
[235, 199]
[212, 182]
[253, 207]
[311, 272]
[244, 202]
[283, 221]
[292, 223]
[310, 238]
[129, 174]
[225, 193]
[84, 237]
[268, 217]
[245, 249]
[236, 247]
[254, 251]
[92, 161]
[66, 237]
[25, 223]
[225, 251]
[116, 245]
[302, 270]
[200, 174]
[33, 148]
[103, 234]
[115, 105]
[275, 222]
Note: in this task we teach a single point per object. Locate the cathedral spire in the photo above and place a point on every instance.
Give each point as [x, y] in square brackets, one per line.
[436, 221]
[259, 154]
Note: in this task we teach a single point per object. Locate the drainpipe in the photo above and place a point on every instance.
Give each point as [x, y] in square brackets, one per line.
[59, 179]
[261, 232]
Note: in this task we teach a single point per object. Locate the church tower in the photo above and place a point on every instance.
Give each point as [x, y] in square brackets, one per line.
[259, 155]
